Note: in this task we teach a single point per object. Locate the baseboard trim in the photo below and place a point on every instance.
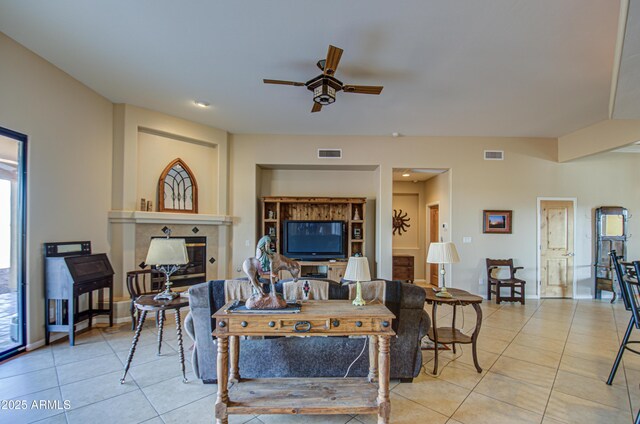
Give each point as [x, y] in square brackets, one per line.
[101, 319]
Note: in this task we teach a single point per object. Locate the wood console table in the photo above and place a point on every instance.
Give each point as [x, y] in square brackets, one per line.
[300, 395]
[451, 335]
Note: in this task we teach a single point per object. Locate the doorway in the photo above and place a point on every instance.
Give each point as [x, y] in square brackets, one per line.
[434, 236]
[556, 235]
[12, 236]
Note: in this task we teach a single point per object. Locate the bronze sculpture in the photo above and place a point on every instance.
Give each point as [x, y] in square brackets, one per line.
[266, 260]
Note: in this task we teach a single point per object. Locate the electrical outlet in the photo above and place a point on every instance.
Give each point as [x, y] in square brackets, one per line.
[247, 242]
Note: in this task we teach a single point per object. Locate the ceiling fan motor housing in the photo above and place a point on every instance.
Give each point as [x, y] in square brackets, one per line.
[324, 89]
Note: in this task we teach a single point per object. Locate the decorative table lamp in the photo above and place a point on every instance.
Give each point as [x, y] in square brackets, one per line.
[167, 254]
[443, 253]
[358, 270]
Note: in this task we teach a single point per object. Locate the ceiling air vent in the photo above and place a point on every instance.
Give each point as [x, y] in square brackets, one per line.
[494, 155]
[329, 153]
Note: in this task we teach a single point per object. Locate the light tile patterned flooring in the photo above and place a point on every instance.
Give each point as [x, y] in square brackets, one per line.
[545, 362]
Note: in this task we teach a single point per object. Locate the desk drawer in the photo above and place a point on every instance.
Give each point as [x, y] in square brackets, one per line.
[247, 325]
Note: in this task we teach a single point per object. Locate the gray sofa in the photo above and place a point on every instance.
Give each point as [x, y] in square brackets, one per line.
[310, 356]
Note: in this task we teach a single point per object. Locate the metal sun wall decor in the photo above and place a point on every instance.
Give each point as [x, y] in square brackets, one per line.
[177, 189]
[400, 222]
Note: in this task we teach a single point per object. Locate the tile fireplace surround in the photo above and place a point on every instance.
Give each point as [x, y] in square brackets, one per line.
[131, 232]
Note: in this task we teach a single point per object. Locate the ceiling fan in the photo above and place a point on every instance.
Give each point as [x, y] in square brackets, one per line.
[325, 86]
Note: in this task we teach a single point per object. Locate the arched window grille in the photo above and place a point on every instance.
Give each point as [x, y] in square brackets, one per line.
[177, 189]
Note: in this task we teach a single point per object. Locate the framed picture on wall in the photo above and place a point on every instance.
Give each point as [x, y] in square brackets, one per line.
[496, 222]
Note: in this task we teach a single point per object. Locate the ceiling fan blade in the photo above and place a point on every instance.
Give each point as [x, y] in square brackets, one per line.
[333, 58]
[317, 107]
[271, 81]
[362, 89]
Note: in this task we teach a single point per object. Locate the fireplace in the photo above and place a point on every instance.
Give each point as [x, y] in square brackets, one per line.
[196, 270]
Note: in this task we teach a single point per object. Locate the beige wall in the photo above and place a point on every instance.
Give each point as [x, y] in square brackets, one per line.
[131, 126]
[155, 152]
[409, 197]
[528, 171]
[437, 190]
[69, 160]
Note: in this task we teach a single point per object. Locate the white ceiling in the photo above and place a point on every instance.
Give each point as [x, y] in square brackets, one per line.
[465, 67]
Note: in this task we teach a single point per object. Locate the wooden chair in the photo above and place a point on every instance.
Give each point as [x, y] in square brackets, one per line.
[627, 277]
[141, 282]
[515, 284]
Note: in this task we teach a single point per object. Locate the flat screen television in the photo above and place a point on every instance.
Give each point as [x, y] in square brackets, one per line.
[314, 240]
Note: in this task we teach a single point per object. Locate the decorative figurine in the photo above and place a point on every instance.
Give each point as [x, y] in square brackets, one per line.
[305, 290]
[356, 215]
[266, 260]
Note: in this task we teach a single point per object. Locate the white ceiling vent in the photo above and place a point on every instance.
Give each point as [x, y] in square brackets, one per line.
[329, 153]
[494, 155]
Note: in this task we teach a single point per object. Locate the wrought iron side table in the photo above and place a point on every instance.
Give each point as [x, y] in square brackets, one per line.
[147, 304]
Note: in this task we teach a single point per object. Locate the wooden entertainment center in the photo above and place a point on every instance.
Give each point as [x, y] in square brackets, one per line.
[351, 210]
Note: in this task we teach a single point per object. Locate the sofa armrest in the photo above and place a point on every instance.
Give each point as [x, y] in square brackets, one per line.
[200, 305]
[413, 297]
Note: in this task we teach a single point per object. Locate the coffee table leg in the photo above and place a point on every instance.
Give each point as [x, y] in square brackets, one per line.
[474, 336]
[134, 343]
[223, 373]
[435, 337]
[160, 327]
[180, 348]
[373, 359]
[384, 402]
[234, 349]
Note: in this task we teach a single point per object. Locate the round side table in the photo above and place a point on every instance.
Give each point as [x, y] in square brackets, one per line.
[452, 335]
[147, 304]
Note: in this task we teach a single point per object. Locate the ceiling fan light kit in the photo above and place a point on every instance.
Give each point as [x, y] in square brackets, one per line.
[325, 86]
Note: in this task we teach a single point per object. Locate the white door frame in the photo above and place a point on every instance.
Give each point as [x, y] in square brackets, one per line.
[574, 200]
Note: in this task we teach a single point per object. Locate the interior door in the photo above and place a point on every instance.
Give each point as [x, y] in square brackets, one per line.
[556, 248]
[434, 234]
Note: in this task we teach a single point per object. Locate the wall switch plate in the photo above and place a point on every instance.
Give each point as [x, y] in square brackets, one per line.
[481, 281]
[466, 239]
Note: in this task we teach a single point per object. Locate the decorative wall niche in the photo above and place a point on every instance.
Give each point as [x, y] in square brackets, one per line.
[177, 189]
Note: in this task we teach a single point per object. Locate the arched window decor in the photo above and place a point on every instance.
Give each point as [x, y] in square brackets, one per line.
[177, 189]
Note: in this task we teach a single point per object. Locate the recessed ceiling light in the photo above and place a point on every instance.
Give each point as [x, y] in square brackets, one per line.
[406, 174]
[202, 103]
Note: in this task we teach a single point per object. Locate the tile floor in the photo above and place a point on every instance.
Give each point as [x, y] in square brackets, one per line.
[545, 362]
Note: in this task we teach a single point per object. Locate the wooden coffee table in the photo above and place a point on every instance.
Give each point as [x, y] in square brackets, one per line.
[305, 395]
[451, 335]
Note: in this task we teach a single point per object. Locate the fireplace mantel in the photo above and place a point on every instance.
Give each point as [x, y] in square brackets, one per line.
[139, 217]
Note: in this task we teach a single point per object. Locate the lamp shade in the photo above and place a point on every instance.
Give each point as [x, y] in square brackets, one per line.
[165, 251]
[442, 253]
[357, 269]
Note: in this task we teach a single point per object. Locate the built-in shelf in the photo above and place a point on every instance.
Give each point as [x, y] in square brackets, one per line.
[276, 210]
